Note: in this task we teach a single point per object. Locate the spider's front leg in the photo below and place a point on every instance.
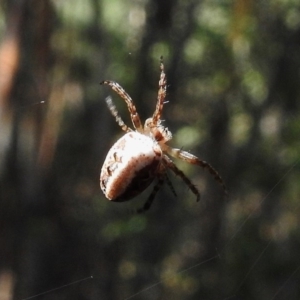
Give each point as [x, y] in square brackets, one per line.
[192, 159]
[135, 118]
[162, 91]
[115, 113]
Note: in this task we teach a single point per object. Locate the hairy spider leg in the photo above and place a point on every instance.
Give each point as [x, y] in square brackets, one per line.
[156, 188]
[170, 164]
[192, 159]
[135, 118]
[111, 106]
[162, 91]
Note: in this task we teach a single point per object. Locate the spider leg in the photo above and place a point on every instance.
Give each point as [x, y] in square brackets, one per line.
[169, 163]
[115, 113]
[162, 91]
[135, 118]
[169, 183]
[150, 199]
[192, 159]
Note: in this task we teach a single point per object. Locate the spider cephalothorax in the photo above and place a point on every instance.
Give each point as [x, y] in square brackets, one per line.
[140, 156]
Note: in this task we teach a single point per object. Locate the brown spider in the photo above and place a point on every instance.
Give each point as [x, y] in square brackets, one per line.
[140, 156]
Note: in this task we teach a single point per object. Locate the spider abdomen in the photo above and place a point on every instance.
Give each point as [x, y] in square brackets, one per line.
[130, 166]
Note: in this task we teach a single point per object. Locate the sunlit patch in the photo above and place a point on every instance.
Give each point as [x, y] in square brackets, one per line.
[127, 269]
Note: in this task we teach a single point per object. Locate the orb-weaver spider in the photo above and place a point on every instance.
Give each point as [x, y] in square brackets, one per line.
[141, 155]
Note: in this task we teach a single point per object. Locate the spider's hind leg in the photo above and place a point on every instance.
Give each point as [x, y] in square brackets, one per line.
[192, 159]
[169, 183]
[150, 199]
[169, 163]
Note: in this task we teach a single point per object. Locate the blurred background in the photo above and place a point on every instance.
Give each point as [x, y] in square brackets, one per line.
[233, 70]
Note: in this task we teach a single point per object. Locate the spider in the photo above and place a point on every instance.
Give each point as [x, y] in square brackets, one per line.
[142, 155]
